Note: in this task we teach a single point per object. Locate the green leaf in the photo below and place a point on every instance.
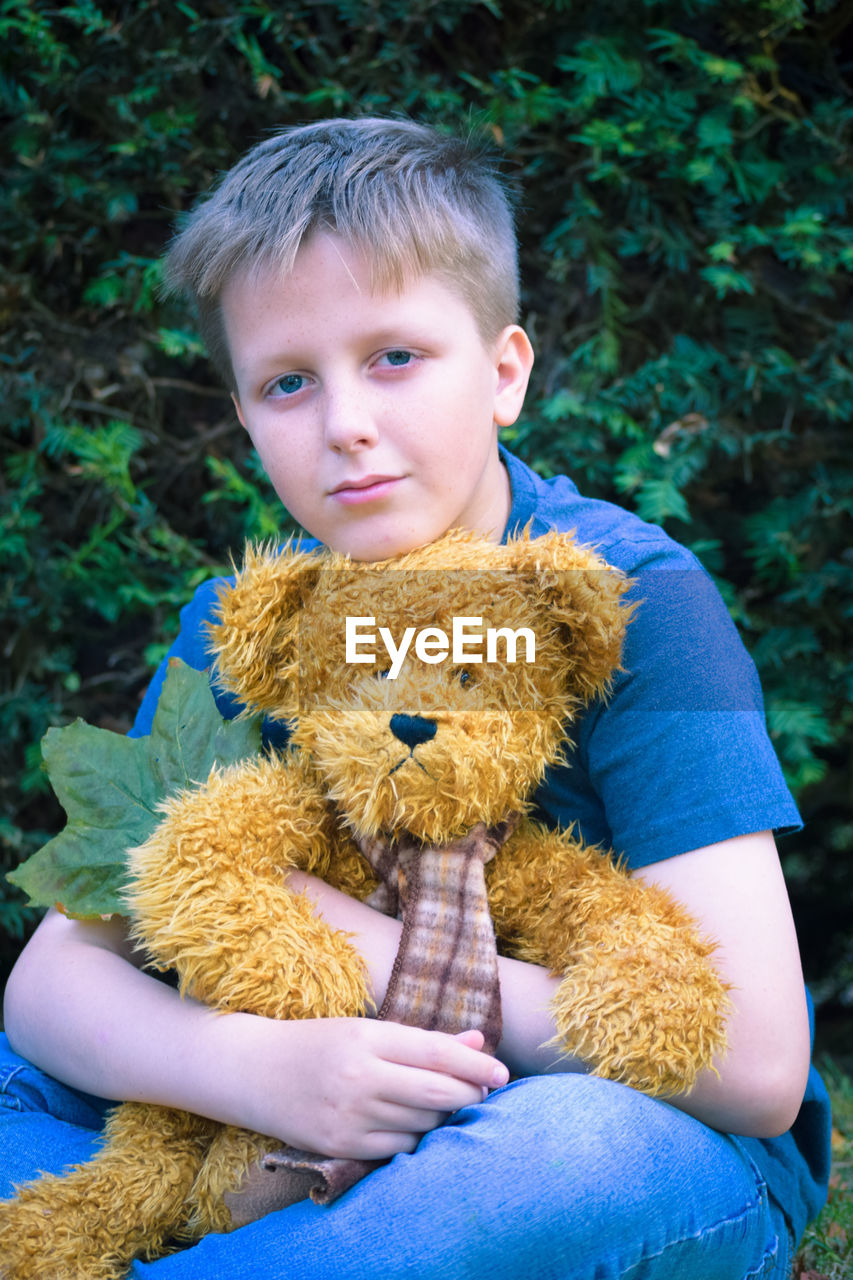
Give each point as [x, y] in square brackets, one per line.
[722, 251]
[659, 498]
[726, 280]
[111, 787]
[714, 132]
[724, 69]
[179, 342]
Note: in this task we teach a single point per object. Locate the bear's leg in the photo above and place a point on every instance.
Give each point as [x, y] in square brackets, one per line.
[232, 1154]
[127, 1202]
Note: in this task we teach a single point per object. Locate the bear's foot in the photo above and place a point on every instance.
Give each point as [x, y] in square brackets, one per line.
[127, 1202]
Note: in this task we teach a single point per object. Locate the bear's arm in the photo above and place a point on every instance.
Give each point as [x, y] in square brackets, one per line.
[208, 897]
[639, 1000]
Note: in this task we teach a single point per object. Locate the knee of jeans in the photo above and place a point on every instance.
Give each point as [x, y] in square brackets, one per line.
[617, 1171]
[595, 1131]
[21, 1088]
[573, 1117]
[24, 1088]
[569, 1099]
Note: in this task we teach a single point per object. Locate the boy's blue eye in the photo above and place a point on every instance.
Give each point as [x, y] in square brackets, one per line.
[398, 358]
[289, 384]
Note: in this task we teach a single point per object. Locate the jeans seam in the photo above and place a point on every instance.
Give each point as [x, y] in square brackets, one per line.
[792, 1249]
[10, 1100]
[707, 1231]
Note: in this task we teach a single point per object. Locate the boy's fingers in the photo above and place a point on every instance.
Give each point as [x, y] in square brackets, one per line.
[434, 1051]
[474, 1039]
[396, 1118]
[437, 1092]
[466, 1061]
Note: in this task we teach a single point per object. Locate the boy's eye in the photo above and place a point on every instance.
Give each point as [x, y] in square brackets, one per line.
[288, 385]
[397, 359]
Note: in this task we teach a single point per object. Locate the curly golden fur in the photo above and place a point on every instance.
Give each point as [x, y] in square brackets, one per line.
[639, 1000]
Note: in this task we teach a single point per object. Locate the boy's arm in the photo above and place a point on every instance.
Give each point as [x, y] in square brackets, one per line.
[78, 1007]
[736, 892]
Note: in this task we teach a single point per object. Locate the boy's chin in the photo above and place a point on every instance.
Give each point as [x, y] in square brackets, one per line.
[370, 545]
[369, 548]
[390, 551]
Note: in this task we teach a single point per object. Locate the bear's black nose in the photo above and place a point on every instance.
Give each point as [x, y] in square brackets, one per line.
[412, 730]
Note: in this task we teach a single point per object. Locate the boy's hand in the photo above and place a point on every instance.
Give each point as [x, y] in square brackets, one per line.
[355, 1086]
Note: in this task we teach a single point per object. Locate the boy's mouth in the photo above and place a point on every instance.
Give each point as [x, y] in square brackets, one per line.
[364, 489]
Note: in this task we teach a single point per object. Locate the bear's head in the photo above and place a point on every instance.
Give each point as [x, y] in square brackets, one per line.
[430, 691]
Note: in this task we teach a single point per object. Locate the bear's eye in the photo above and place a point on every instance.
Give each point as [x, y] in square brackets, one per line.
[465, 677]
[382, 674]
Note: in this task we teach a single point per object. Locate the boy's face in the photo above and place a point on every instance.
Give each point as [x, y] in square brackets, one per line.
[374, 415]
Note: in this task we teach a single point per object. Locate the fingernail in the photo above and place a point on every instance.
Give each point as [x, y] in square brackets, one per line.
[500, 1075]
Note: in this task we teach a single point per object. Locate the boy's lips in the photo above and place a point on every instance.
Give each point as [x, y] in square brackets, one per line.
[364, 489]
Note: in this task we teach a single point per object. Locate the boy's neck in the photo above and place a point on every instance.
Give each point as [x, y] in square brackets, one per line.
[492, 520]
[505, 503]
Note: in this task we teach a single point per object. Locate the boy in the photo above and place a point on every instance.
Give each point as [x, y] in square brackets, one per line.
[357, 286]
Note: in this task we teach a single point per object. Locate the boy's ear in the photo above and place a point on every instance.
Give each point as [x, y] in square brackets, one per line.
[582, 594]
[254, 639]
[514, 360]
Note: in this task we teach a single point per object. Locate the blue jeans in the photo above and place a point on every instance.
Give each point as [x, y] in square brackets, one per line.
[551, 1178]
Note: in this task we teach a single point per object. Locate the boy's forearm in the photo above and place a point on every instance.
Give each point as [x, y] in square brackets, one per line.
[77, 1008]
[81, 1011]
[735, 1101]
[526, 989]
[741, 1099]
[350, 1086]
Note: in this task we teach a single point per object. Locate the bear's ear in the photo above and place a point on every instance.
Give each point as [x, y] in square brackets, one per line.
[254, 636]
[582, 595]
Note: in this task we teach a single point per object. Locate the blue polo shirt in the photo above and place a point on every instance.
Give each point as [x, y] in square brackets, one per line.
[676, 758]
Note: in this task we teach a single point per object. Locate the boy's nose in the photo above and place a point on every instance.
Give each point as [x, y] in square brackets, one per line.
[412, 730]
[349, 423]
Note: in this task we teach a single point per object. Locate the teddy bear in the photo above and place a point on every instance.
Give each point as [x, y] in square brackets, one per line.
[424, 696]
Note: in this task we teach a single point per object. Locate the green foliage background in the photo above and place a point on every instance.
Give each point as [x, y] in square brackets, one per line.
[686, 182]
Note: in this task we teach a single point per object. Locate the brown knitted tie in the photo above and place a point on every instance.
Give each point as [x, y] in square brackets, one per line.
[445, 975]
[445, 978]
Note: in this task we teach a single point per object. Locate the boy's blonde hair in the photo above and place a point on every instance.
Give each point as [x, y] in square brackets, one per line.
[410, 198]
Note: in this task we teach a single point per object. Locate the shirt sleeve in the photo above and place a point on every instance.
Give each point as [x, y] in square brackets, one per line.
[191, 647]
[678, 757]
